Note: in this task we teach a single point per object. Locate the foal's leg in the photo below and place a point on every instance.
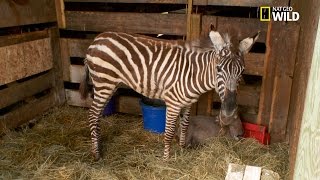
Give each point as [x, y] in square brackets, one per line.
[101, 98]
[184, 126]
[172, 113]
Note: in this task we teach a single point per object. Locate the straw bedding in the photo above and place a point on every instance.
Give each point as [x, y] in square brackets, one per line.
[58, 147]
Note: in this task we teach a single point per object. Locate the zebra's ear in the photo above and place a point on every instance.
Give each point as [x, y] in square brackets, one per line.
[246, 44]
[216, 39]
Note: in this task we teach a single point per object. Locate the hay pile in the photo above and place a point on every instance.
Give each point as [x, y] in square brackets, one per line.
[58, 147]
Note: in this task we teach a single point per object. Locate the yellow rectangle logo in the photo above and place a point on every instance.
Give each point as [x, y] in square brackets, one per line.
[265, 13]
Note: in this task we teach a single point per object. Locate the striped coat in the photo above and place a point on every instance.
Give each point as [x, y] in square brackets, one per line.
[169, 70]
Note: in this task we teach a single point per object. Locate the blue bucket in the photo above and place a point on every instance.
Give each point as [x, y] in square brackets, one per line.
[110, 107]
[154, 117]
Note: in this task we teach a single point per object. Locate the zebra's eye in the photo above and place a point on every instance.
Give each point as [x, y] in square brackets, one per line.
[218, 68]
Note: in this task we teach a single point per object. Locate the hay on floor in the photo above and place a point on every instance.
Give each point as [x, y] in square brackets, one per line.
[58, 147]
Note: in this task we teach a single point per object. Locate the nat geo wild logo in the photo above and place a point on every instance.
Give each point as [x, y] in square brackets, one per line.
[281, 13]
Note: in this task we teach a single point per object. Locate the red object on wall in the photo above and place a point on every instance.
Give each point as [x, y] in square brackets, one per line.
[256, 131]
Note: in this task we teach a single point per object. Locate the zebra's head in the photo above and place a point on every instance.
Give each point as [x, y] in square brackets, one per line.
[229, 67]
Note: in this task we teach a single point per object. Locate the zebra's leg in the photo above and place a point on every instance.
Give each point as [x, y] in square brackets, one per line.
[101, 98]
[171, 117]
[184, 126]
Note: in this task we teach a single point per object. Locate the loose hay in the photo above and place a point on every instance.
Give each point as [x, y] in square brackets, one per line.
[58, 147]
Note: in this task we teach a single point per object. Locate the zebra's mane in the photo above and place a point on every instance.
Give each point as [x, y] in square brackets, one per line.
[205, 44]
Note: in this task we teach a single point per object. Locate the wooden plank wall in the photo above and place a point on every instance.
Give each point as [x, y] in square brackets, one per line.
[25, 12]
[267, 103]
[30, 64]
[309, 15]
[308, 161]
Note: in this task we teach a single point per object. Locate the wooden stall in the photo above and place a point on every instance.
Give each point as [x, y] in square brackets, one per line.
[30, 66]
[264, 95]
[43, 44]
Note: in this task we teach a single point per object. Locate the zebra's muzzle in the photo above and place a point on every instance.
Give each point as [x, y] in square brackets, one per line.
[229, 105]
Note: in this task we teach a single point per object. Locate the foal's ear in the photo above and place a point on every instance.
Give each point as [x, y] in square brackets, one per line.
[246, 44]
[216, 38]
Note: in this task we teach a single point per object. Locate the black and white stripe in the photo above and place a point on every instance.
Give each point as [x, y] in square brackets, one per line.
[174, 72]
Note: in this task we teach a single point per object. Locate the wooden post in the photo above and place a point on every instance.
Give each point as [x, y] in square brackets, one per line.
[57, 67]
[275, 93]
[307, 159]
[60, 14]
[309, 18]
[284, 68]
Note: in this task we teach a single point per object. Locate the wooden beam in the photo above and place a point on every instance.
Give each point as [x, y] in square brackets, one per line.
[189, 23]
[254, 64]
[309, 24]
[26, 112]
[24, 37]
[308, 161]
[65, 58]
[25, 59]
[148, 23]
[76, 72]
[19, 91]
[269, 71]
[283, 82]
[60, 14]
[249, 3]
[17, 13]
[78, 47]
[248, 95]
[74, 98]
[57, 66]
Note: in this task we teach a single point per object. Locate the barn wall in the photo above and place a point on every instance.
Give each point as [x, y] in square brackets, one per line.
[308, 161]
[30, 63]
[264, 97]
[309, 15]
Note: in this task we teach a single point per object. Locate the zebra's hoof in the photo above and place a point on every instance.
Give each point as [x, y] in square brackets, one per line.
[183, 145]
[96, 156]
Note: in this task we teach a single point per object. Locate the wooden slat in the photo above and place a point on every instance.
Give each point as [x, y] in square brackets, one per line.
[57, 66]
[283, 81]
[24, 37]
[307, 158]
[65, 58]
[268, 77]
[16, 13]
[25, 113]
[254, 61]
[235, 171]
[252, 173]
[76, 72]
[247, 95]
[249, 3]
[60, 14]
[242, 28]
[254, 64]
[74, 98]
[24, 59]
[20, 91]
[309, 22]
[78, 47]
[148, 23]
[128, 104]
[283, 53]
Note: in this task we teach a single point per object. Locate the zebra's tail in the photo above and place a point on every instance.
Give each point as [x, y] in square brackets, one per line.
[84, 83]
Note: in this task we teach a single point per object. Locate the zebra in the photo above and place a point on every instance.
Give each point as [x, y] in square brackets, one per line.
[177, 73]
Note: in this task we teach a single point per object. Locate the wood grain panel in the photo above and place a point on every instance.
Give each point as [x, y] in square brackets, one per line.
[19, 91]
[148, 23]
[24, 12]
